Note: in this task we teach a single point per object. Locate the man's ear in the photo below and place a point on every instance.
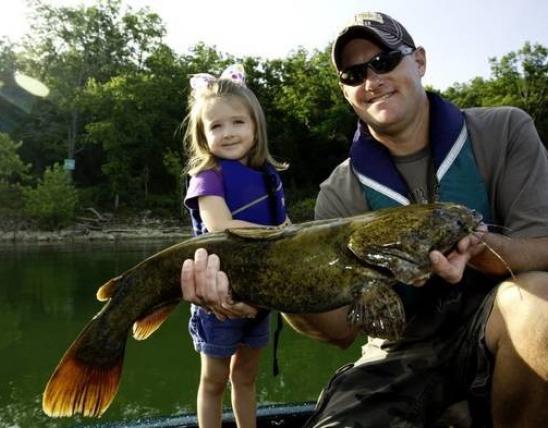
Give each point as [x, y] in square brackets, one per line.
[420, 59]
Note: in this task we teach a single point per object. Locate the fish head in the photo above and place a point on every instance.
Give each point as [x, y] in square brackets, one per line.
[399, 240]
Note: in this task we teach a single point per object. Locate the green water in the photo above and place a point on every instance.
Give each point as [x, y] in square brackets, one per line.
[47, 294]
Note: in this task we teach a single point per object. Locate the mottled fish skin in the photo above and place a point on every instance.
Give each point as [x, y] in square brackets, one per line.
[401, 243]
[304, 268]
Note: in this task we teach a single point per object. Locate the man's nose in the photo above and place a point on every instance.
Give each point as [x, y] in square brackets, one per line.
[372, 80]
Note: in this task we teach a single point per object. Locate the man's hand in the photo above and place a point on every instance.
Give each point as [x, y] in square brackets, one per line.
[204, 284]
[451, 266]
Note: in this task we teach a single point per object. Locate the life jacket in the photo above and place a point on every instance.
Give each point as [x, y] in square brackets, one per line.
[251, 195]
[457, 175]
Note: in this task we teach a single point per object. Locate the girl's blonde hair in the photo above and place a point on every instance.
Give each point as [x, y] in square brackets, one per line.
[197, 150]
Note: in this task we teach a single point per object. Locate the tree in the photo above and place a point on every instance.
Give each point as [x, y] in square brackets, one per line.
[521, 80]
[12, 168]
[10, 101]
[69, 46]
[135, 116]
[518, 79]
[53, 202]
[309, 120]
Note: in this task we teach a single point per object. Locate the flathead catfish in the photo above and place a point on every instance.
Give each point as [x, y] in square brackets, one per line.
[303, 268]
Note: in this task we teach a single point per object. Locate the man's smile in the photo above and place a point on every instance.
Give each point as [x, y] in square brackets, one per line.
[382, 97]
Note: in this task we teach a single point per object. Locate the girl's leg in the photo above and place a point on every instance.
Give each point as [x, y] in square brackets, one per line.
[243, 372]
[213, 377]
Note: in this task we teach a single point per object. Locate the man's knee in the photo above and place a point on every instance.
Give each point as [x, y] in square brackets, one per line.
[526, 294]
[519, 318]
[536, 283]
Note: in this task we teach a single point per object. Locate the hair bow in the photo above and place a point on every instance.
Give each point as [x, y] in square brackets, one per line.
[201, 81]
[234, 72]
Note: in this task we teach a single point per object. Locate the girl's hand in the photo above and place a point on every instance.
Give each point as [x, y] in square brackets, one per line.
[451, 266]
[204, 284]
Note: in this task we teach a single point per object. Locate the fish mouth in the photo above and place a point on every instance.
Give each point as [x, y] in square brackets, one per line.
[477, 218]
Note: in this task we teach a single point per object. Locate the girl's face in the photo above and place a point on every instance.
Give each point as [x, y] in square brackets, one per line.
[229, 128]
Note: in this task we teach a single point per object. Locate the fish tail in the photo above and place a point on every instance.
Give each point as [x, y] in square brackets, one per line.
[80, 386]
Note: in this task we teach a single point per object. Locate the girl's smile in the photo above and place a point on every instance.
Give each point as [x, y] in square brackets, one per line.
[229, 128]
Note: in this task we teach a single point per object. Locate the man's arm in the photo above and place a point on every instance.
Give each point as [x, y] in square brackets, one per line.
[493, 254]
[501, 252]
[331, 327]
[515, 165]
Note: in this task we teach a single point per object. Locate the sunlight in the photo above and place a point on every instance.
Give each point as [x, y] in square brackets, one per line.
[31, 85]
[13, 16]
[13, 23]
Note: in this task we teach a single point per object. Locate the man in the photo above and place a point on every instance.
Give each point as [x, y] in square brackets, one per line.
[480, 340]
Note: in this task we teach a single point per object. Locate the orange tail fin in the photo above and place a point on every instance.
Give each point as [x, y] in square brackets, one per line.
[144, 327]
[84, 383]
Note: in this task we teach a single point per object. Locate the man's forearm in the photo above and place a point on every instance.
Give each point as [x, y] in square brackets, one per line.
[520, 255]
[331, 327]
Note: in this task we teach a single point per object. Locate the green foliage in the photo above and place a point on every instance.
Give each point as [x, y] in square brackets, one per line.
[93, 196]
[53, 202]
[69, 47]
[11, 198]
[119, 94]
[519, 79]
[301, 210]
[12, 168]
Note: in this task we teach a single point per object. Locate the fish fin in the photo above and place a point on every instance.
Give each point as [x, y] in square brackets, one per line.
[106, 291]
[144, 327]
[80, 386]
[405, 267]
[263, 233]
[378, 310]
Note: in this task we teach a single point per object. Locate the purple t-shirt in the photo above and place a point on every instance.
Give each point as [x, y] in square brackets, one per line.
[205, 183]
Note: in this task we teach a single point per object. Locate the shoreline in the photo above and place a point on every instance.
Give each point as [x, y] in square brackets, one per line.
[111, 234]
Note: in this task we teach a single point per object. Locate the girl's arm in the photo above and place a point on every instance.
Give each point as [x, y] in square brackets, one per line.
[216, 215]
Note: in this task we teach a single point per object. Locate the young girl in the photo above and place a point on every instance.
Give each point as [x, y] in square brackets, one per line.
[234, 183]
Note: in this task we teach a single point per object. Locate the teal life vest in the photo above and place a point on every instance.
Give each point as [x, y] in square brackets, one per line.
[457, 175]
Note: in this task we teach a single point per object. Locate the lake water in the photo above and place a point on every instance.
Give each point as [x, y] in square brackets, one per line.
[47, 294]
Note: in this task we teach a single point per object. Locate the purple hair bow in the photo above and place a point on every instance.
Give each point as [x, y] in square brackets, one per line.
[200, 81]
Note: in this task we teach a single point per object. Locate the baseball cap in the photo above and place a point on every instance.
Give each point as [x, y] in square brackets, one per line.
[375, 26]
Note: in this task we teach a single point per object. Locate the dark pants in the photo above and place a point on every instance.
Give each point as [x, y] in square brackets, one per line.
[441, 360]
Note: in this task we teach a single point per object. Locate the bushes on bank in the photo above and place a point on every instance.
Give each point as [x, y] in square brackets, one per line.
[52, 203]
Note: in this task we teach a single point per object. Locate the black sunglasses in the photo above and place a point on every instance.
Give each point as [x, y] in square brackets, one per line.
[383, 63]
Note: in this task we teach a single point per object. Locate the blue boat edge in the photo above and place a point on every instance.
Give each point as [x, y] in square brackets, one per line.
[268, 415]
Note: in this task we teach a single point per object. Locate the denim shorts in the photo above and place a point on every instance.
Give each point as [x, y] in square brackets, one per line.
[220, 339]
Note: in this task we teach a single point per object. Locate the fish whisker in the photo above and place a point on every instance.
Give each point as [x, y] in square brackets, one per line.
[498, 256]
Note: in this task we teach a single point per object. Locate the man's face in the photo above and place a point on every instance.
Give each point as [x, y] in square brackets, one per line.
[386, 102]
